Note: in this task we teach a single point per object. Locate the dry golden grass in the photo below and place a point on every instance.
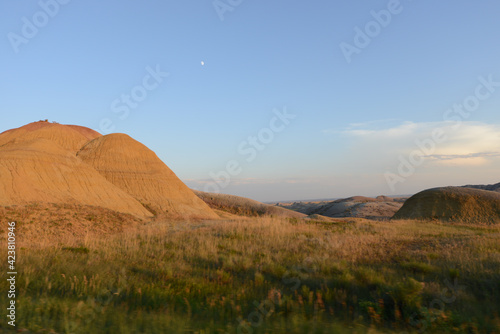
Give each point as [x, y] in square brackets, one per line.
[40, 221]
[210, 277]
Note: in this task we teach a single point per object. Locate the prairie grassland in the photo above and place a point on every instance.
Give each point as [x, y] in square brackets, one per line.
[262, 275]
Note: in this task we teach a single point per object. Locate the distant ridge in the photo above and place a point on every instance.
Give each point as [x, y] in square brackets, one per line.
[242, 206]
[490, 187]
[381, 207]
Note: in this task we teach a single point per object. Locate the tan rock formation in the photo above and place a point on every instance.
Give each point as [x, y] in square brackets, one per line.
[137, 170]
[68, 164]
[39, 170]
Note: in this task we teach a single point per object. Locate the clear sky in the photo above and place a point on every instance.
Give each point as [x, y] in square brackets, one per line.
[371, 90]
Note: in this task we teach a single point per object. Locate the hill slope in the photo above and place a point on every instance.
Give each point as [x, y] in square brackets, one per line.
[135, 169]
[46, 162]
[244, 206]
[453, 204]
[381, 207]
[490, 187]
[42, 171]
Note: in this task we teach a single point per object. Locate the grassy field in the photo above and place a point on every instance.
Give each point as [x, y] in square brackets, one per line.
[264, 275]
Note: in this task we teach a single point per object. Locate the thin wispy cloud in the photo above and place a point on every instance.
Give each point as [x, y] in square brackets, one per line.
[463, 156]
[373, 129]
[467, 141]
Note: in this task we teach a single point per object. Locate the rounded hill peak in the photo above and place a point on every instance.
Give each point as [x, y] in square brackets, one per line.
[70, 137]
[454, 204]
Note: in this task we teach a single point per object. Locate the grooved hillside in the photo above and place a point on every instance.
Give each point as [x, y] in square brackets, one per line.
[46, 162]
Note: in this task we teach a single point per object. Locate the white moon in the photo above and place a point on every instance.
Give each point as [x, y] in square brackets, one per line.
[202, 63]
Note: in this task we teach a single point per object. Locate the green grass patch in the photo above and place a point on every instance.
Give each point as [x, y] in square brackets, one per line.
[260, 276]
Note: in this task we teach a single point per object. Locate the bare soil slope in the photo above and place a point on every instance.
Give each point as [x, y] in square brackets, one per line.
[135, 169]
[39, 170]
[46, 162]
[453, 204]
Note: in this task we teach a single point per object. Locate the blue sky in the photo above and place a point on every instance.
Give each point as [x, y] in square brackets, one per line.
[354, 122]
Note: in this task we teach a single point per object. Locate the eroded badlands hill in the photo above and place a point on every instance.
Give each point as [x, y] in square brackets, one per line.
[46, 162]
[456, 204]
[137, 170]
[381, 207]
